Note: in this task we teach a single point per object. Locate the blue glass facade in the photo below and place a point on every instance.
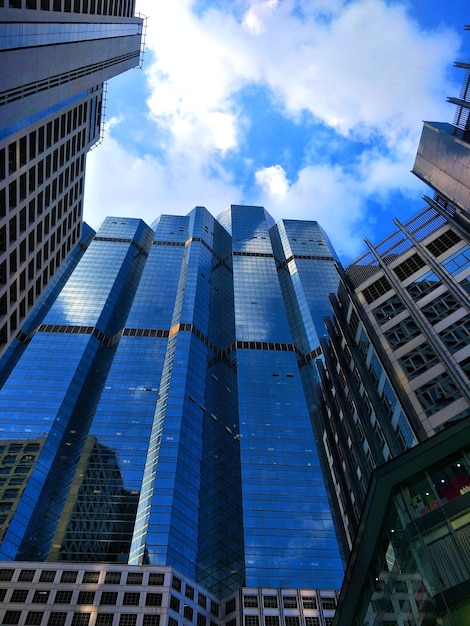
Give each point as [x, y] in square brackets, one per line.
[169, 395]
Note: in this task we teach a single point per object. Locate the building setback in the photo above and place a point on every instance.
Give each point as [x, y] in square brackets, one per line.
[54, 57]
[173, 422]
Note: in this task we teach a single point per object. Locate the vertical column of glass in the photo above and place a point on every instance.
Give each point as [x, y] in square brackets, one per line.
[307, 276]
[288, 531]
[109, 478]
[167, 520]
[65, 374]
[221, 547]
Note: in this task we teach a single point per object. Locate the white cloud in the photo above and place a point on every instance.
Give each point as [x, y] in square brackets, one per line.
[123, 184]
[367, 68]
[362, 67]
[273, 180]
[335, 197]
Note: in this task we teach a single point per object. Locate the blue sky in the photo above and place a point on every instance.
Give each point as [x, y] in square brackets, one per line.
[311, 108]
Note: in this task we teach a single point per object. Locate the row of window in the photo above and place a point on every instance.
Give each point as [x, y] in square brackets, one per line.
[122, 8]
[26, 148]
[64, 596]
[73, 576]
[273, 620]
[288, 602]
[414, 263]
[64, 215]
[18, 314]
[59, 618]
[28, 183]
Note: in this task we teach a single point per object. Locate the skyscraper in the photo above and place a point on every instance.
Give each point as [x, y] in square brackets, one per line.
[54, 57]
[171, 429]
[397, 361]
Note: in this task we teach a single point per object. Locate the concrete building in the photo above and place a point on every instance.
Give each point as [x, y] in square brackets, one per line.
[397, 361]
[54, 57]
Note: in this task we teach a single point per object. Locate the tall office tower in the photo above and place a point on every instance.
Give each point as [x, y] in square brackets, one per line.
[54, 57]
[166, 435]
[398, 358]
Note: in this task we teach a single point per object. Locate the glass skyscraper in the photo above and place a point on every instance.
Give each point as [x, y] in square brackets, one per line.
[54, 57]
[160, 413]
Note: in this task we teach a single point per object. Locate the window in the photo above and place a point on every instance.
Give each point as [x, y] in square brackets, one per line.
[457, 335]
[437, 394]
[156, 579]
[214, 608]
[312, 621]
[189, 592]
[440, 307]
[63, 597]
[328, 603]
[113, 578]
[6, 574]
[270, 602]
[202, 600]
[292, 620]
[176, 583]
[11, 617]
[57, 618]
[418, 360]
[289, 602]
[443, 243]
[26, 575]
[41, 597]
[104, 619]
[153, 599]
[151, 620]
[127, 619]
[19, 595]
[389, 309]
[34, 618]
[172, 621]
[409, 267]
[250, 601]
[69, 576]
[309, 602]
[134, 578]
[377, 289]
[271, 620]
[91, 577]
[47, 576]
[108, 597]
[402, 333]
[458, 261]
[86, 597]
[188, 612]
[251, 620]
[423, 285]
[202, 621]
[174, 603]
[131, 599]
[230, 606]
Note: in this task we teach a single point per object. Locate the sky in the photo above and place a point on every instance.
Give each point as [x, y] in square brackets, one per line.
[310, 108]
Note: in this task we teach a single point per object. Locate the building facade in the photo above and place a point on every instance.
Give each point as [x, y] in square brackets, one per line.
[173, 422]
[54, 57]
[411, 560]
[396, 365]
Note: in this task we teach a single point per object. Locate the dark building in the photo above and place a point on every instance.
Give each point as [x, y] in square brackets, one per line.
[54, 58]
[411, 560]
[172, 427]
